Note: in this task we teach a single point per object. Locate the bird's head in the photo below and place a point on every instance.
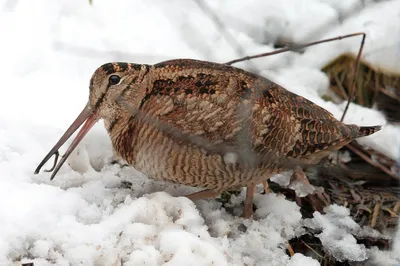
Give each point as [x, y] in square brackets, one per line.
[111, 85]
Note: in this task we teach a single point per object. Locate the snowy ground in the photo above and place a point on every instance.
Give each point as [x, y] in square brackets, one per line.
[86, 216]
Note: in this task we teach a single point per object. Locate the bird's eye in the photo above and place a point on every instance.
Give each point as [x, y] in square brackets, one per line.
[114, 80]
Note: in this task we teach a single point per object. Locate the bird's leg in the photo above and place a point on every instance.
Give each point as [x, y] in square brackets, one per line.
[318, 199]
[266, 187]
[204, 194]
[299, 182]
[299, 175]
[248, 202]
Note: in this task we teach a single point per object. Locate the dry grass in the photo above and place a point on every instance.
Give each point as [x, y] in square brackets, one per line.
[373, 86]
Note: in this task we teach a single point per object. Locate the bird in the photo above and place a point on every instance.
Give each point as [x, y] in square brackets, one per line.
[206, 125]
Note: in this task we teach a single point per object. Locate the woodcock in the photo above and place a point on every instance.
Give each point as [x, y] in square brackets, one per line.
[206, 125]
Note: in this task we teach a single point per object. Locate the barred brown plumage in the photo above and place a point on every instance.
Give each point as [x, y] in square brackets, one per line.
[207, 125]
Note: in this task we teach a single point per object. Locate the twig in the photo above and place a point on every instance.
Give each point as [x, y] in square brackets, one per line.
[371, 162]
[375, 214]
[313, 250]
[355, 75]
[298, 47]
[290, 249]
[389, 94]
[340, 86]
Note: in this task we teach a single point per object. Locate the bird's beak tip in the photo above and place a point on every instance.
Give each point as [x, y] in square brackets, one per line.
[88, 117]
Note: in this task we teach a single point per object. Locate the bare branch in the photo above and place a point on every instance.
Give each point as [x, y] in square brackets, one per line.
[355, 74]
[297, 47]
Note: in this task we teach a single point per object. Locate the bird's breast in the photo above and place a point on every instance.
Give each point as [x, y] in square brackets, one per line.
[161, 157]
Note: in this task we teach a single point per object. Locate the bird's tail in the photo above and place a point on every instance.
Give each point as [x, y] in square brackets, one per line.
[366, 131]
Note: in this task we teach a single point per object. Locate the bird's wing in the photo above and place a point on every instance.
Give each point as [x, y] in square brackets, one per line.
[224, 112]
[316, 128]
[208, 106]
[241, 110]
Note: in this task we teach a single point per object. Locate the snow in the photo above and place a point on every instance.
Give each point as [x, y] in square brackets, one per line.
[98, 213]
[382, 42]
[301, 189]
[300, 259]
[335, 226]
[338, 233]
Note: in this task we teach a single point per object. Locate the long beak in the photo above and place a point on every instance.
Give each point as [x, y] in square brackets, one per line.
[86, 115]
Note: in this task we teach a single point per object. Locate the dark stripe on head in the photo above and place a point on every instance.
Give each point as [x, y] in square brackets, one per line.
[136, 66]
[99, 101]
[122, 66]
[108, 68]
